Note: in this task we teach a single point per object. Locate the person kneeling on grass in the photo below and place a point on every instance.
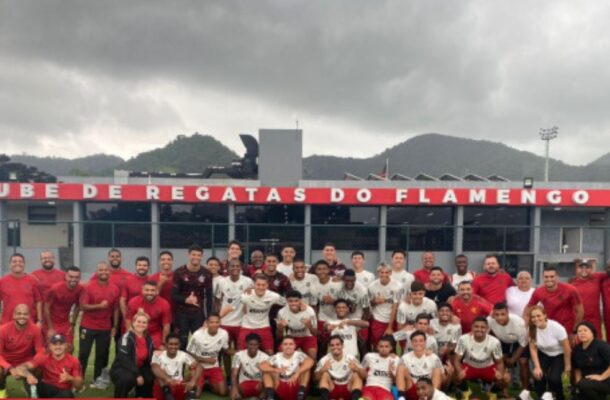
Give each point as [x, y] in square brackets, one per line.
[131, 367]
[338, 373]
[286, 374]
[61, 371]
[380, 369]
[168, 368]
[245, 373]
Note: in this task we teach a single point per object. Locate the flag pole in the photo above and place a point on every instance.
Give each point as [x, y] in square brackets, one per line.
[387, 169]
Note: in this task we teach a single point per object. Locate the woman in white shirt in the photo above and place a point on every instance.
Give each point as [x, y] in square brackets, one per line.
[550, 352]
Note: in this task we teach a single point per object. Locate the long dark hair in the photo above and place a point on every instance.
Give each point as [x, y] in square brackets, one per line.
[532, 327]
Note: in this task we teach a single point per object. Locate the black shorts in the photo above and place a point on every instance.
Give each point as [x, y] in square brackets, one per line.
[509, 348]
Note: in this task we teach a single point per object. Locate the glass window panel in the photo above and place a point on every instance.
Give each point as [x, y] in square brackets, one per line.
[185, 224]
[277, 214]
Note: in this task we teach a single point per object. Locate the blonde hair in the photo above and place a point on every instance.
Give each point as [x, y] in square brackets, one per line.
[382, 266]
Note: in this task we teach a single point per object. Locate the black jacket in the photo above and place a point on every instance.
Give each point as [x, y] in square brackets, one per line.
[125, 360]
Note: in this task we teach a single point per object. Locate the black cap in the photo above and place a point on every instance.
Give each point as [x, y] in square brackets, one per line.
[57, 338]
[586, 262]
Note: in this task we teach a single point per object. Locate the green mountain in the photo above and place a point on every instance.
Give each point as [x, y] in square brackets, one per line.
[183, 154]
[97, 164]
[436, 154]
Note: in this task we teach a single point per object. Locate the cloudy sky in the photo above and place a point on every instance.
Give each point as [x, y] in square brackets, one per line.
[83, 77]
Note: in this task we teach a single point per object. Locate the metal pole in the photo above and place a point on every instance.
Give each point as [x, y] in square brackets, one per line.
[546, 161]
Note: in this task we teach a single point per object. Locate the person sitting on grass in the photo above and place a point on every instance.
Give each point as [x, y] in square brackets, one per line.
[286, 374]
[168, 368]
[61, 372]
[246, 375]
[338, 373]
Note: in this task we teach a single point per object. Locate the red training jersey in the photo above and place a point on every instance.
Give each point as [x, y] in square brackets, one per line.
[47, 278]
[492, 287]
[590, 291]
[15, 291]
[52, 369]
[158, 310]
[141, 351]
[132, 286]
[606, 301]
[19, 345]
[423, 275]
[467, 312]
[558, 304]
[60, 299]
[167, 287]
[95, 293]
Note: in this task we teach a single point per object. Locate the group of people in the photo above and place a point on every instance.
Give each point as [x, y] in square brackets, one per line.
[276, 328]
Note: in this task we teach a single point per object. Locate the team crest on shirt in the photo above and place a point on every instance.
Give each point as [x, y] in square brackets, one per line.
[201, 279]
[276, 282]
[473, 310]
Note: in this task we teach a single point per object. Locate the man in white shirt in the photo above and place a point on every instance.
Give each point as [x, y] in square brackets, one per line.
[228, 294]
[346, 327]
[257, 304]
[427, 391]
[363, 276]
[461, 273]
[299, 323]
[286, 374]
[206, 345]
[304, 282]
[417, 364]
[479, 356]
[288, 253]
[384, 295]
[338, 373]
[511, 330]
[422, 324]
[326, 291]
[446, 331]
[399, 270]
[357, 297]
[380, 369]
[246, 375]
[414, 304]
[168, 368]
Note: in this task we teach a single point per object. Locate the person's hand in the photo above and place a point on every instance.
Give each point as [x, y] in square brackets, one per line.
[455, 319]
[327, 365]
[104, 304]
[461, 374]
[15, 373]
[595, 377]
[51, 333]
[353, 365]
[306, 322]
[31, 380]
[227, 309]
[64, 376]
[39, 324]
[281, 323]
[248, 291]
[537, 373]
[498, 374]
[567, 369]
[140, 380]
[192, 300]
[294, 379]
[327, 299]
[510, 362]
[113, 332]
[190, 385]
[377, 300]
[388, 330]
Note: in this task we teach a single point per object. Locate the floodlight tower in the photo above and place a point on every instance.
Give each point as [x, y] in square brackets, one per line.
[547, 134]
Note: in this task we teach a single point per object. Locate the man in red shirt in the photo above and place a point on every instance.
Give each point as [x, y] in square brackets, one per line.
[257, 264]
[423, 274]
[61, 371]
[606, 301]
[20, 340]
[48, 275]
[19, 288]
[133, 284]
[165, 276]
[99, 302]
[589, 287]
[157, 309]
[491, 284]
[561, 301]
[467, 306]
[60, 299]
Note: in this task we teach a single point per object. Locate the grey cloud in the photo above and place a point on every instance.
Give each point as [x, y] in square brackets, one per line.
[499, 70]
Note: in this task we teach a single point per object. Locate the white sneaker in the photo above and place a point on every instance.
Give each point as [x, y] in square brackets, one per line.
[105, 376]
[525, 395]
[99, 384]
[547, 396]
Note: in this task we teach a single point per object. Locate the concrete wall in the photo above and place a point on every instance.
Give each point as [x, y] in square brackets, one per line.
[280, 157]
[42, 235]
